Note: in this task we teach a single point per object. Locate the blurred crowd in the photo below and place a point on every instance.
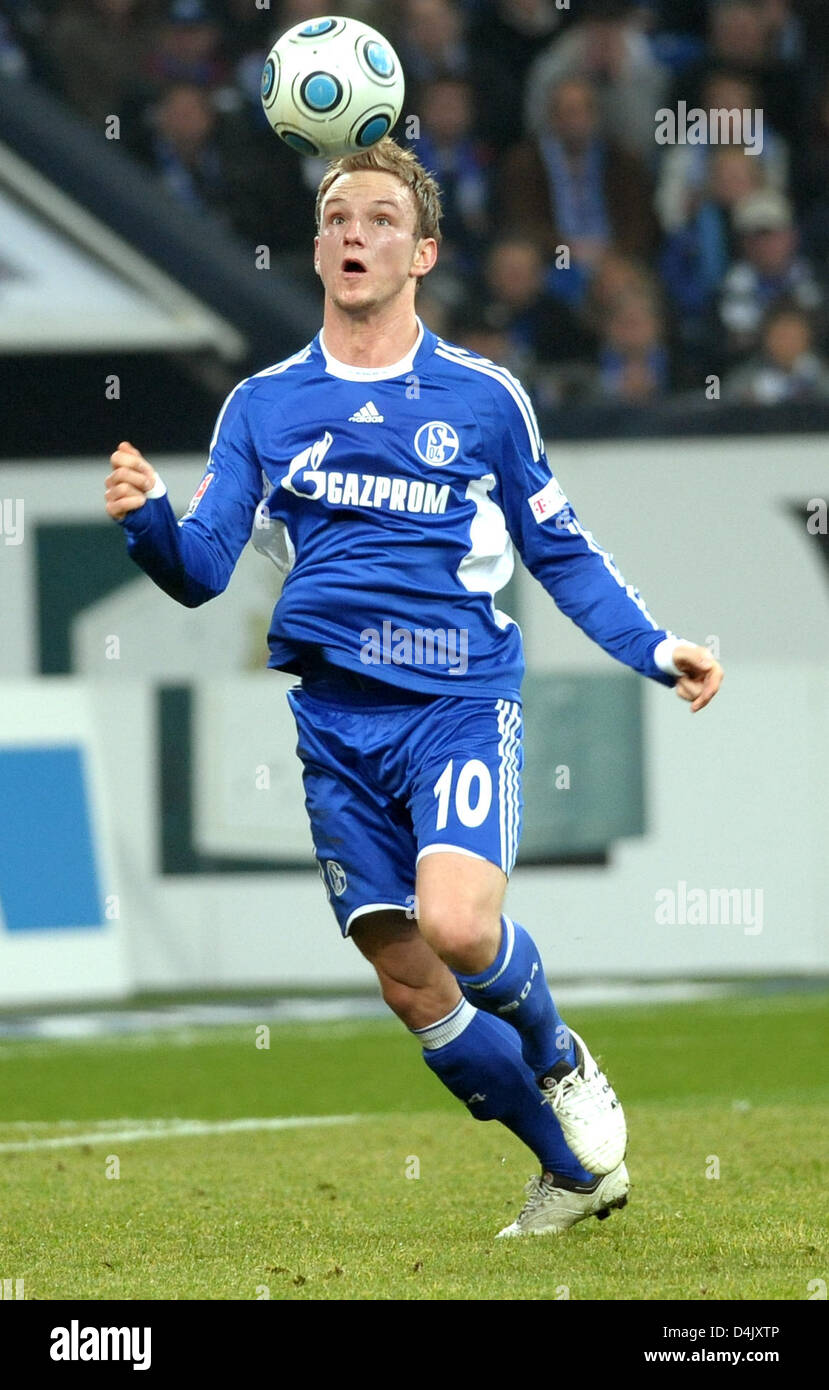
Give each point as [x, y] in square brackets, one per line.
[597, 259]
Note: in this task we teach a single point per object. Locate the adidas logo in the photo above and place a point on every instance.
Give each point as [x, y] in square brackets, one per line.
[368, 414]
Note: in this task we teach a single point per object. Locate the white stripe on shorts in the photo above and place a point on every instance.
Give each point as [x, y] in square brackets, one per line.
[375, 907]
[443, 848]
[509, 723]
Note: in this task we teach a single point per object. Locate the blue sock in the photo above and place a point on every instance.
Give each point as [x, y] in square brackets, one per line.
[478, 1058]
[514, 987]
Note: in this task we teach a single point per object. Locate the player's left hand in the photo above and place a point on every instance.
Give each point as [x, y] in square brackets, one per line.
[701, 676]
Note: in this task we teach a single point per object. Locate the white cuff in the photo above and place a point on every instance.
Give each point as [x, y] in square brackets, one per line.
[664, 651]
[158, 488]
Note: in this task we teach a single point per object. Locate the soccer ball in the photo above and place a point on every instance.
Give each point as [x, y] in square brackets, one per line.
[332, 86]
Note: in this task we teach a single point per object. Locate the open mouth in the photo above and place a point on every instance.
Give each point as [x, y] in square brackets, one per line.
[353, 267]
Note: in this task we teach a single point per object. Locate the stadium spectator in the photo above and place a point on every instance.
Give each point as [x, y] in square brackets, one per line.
[473, 326]
[744, 36]
[448, 146]
[430, 40]
[770, 269]
[633, 359]
[248, 33]
[13, 59]
[675, 30]
[213, 163]
[785, 40]
[538, 329]
[188, 46]
[614, 276]
[506, 37]
[183, 146]
[470, 327]
[96, 49]
[574, 187]
[606, 46]
[787, 368]
[684, 172]
[696, 257]
[738, 33]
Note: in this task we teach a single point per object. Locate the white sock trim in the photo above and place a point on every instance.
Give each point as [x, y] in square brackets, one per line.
[510, 926]
[448, 1028]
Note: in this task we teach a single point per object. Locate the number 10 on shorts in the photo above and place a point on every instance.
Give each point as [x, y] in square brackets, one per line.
[476, 802]
[473, 793]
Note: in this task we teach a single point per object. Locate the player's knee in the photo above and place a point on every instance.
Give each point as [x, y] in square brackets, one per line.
[456, 934]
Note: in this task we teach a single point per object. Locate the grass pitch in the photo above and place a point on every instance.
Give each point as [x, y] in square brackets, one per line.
[726, 1109]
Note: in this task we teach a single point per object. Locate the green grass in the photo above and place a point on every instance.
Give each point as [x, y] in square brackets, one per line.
[330, 1213]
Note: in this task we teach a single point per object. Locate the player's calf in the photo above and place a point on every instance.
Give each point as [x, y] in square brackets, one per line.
[414, 982]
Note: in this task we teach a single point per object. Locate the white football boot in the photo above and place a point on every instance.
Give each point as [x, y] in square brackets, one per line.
[588, 1110]
[551, 1208]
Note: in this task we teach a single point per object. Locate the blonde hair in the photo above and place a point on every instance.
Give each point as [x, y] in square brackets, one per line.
[387, 157]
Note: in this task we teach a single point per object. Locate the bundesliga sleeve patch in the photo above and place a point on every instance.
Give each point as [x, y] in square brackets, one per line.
[548, 502]
[199, 493]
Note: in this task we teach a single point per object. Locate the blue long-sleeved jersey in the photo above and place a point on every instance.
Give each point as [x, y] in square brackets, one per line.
[392, 498]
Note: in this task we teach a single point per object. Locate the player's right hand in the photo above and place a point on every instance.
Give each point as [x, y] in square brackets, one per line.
[132, 477]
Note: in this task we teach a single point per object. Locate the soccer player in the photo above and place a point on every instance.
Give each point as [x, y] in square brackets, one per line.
[390, 473]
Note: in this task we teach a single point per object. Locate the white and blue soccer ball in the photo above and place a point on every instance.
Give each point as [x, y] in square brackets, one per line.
[332, 86]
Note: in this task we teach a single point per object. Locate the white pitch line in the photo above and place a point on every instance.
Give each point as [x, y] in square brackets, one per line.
[177, 1129]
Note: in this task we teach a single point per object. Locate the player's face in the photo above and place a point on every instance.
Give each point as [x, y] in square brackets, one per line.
[367, 252]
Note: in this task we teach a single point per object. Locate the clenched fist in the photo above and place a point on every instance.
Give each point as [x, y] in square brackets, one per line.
[701, 676]
[131, 479]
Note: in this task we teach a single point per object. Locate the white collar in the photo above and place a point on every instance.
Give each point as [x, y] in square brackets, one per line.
[350, 373]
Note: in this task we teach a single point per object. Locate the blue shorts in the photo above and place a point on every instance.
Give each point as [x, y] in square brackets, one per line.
[391, 775]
